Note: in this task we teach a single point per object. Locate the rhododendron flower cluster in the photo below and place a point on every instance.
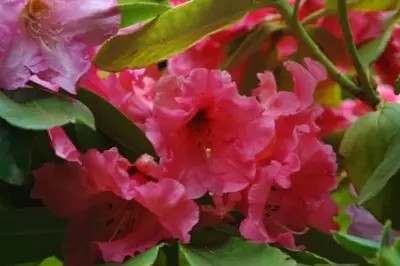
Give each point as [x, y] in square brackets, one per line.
[210, 140]
[215, 134]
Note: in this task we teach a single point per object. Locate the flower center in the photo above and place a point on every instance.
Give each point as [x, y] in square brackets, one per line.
[121, 219]
[40, 23]
[200, 127]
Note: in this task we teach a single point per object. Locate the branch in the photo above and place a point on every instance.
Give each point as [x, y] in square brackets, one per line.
[362, 71]
[294, 24]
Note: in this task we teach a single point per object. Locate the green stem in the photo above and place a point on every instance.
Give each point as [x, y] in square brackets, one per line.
[313, 16]
[291, 19]
[362, 71]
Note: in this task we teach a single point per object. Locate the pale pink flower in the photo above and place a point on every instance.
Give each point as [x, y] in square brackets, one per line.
[50, 39]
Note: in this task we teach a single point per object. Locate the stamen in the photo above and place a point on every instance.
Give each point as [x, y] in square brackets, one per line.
[40, 24]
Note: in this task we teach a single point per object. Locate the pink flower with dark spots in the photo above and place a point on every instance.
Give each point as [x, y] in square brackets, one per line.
[49, 39]
[296, 172]
[114, 211]
[205, 133]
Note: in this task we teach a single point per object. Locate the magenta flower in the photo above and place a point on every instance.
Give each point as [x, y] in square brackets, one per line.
[113, 210]
[206, 134]
[296, 172]
[50, 39]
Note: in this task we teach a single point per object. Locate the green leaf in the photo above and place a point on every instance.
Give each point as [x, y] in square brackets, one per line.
[52, 261]
[359, 246]
[116, 126]
[307, 258]
[370, 51]
[15, 154]
[390, 256]
[325, 246]
[397, 86]
[236, 252]
[30, 234]
[44, 113]
[365, 148]
[343, 199]
[251, 44]
[134, 11]
[386, 234]
[389, 166]
[171, 32]
[152, 257]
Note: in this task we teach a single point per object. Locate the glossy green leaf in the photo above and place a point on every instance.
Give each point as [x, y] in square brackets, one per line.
[356, 245]
[134, 11]
[152, 257]
[15, 154]
[30, 234]
[390, 256]
[370, 51]
[365, 147]
[115, 125]
[325, 246]
[389, 166]
[171, 32]
[235, 252]
[44, 113]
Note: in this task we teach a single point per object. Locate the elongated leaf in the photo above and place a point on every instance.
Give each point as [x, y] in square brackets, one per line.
[172, 32]
[390, 256]
[15, 154]
[236, 252]
[386, 234]
[365, 147]
[134, 11]
[251, 44]
[325, 246]
[371, 51]
[115, 125]
[44, 113]
[389, 166]
[152, 257]
[307, 258]
[30, 234]
[359, 246]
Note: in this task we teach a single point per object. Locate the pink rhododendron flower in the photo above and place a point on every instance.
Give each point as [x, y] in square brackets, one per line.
[388, 64]
[296, 172]
[205, 133]
[113, 210]
[50, 39]
[131, 91]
